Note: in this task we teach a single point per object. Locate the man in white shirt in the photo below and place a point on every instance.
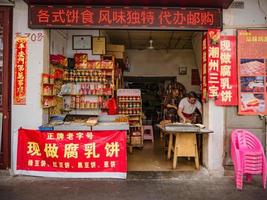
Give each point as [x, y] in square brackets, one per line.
[188, 106]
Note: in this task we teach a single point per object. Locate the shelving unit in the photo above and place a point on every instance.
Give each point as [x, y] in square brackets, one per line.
[130, 104]
[47, 92]
[88, 88]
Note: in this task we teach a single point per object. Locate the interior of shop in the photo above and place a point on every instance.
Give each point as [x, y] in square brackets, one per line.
[156, 63]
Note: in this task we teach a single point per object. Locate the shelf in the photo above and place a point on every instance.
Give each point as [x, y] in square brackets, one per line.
[86, 94]
[132, 126]
[89, 69]
[130, 101]
[131, 114]
[138, 108]
[46, 107]
[48, 95]
[87, 82]
[86, 108]
[48, 83]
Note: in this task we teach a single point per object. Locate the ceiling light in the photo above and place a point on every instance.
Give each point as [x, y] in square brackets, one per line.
[150, 44]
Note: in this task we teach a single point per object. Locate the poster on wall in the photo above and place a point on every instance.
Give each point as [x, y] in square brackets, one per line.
[72, 154]
[228, 72]
[252, 71]
[20, 70]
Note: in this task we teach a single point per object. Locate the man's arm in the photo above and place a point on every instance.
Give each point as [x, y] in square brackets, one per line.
[171, 106]
[180, 113]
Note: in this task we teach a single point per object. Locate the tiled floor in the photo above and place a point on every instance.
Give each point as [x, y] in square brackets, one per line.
[153, 158]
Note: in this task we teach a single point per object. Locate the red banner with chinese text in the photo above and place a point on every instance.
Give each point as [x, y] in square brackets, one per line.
[252, 71]
[228, 72]
[61, 16]
[213, 63]
[20, 71]
[71, 151]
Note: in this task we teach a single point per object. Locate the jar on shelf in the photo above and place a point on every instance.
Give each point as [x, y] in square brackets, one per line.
[45, 78]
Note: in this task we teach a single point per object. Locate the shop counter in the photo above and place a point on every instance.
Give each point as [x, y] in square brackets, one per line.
[101, 126]
[183, 141]
[74, 151]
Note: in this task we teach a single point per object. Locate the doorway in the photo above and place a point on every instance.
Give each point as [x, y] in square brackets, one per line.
[5, 84]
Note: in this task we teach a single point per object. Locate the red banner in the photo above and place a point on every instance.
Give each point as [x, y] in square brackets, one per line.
[252, 59]
[124, 17]
[213, 63]
[228, 73]
[19, 95]
[72, 151]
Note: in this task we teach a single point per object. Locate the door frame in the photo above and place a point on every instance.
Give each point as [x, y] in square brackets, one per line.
[5, 157]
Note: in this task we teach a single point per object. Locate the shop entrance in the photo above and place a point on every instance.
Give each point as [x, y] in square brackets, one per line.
[158, 62]
[5, 85]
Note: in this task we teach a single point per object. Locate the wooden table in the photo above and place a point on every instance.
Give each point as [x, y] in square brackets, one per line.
[183, 142]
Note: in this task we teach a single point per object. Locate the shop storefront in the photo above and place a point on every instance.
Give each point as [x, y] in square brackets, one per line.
[45, 41]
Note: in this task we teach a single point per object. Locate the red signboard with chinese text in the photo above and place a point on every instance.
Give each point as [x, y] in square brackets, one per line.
[124, 17]
[213, 63]
[252, 71]
[72, 151]
[228, 82]
[19, 95]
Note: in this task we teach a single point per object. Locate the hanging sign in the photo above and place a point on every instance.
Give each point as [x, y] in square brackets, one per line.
[211, 64]
[99, 154]
[228, 72]
[252, 73]
[61, 16]
[20, 71]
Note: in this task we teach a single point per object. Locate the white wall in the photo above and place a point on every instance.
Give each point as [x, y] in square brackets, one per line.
[251, 16]
[58, 41]
[29, 115]
[70, 52]
[162, 63]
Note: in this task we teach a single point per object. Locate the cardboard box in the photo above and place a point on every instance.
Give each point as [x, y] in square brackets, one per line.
[117, 54]
[113, 47]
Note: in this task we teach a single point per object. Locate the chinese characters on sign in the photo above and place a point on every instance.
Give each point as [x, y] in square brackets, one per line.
[19, 95]
[72, 151]
[211, 64]
[123, 17]
[252, 68]
[228, 73]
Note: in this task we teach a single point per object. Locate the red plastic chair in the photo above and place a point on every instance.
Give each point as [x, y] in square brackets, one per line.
[248, 157]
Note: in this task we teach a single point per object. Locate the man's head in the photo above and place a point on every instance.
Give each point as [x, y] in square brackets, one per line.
[192, 97]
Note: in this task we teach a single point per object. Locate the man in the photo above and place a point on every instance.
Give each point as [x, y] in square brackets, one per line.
[171, 104]
[188, 106]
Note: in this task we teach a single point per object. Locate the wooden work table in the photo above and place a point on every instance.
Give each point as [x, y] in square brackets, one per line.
[183, 141]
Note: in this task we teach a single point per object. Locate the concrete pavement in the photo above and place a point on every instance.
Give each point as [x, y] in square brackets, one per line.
[137, 186]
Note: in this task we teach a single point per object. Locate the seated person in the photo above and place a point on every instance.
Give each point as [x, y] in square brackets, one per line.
[187, 108]
[171, 105]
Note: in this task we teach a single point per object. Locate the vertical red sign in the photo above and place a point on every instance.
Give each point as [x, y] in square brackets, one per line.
[228, 72]
[213, 63]
[19, 95]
